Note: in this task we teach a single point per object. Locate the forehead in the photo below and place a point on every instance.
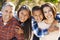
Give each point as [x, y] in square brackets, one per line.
[8, 8]
[25, 12]
[37, 12]
[46, 8]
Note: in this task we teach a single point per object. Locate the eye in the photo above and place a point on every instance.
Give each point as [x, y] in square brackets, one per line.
[35, 15]
[40, 14]
[10, 12]
[22, 13]
[6, 10]
[45, 12]
[25, 15]
[50, 10]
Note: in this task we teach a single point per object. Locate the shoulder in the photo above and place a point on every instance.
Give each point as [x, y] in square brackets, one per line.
[15, 21]
[55, 22]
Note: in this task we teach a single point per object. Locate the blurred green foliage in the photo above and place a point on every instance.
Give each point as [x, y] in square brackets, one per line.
[53, 1]
[30, 2]
[1, 3]
[19, 4]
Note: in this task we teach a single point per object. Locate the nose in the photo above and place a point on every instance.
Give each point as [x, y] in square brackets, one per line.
[22, 17]
[38, 17]
[48, 13]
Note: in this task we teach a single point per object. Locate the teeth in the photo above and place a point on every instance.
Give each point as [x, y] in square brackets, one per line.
[21, 19]
[48, 16]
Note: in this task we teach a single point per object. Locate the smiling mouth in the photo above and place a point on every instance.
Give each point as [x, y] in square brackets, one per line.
[49, 16]
[22, 19]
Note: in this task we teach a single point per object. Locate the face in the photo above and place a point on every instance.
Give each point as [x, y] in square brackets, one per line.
[38, 15]
[23, 15]
[48, 13]
[7, 13]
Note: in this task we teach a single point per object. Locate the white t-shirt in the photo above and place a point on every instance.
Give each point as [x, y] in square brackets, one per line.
[43, 25]
[51, 36]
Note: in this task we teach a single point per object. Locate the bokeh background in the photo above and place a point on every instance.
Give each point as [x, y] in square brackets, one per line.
[31, 3]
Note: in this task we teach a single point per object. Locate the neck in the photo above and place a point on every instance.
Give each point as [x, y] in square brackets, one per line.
[50, 21]
[39, 21]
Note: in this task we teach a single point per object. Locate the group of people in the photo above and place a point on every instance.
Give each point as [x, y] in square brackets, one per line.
[38, 24]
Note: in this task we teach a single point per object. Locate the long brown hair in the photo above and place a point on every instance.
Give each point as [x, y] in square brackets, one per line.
[27, 27]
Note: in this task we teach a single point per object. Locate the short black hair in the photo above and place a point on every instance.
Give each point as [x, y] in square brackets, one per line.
[36, 8]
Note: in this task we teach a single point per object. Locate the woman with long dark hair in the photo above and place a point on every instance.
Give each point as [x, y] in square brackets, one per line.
[24, 16]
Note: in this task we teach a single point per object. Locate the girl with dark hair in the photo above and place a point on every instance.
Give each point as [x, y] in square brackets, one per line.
[24, 16]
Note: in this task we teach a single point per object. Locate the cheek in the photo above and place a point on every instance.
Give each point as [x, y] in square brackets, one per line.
[3, 13]
[35, 17]
[51, 14]
[26, 18]
[41, 17]
[11, 14]
[45, 15]
[20, 15]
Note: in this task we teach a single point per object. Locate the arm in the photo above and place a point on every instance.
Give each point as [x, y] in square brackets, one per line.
[37, 31]
[19, 33]
[53, 27]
